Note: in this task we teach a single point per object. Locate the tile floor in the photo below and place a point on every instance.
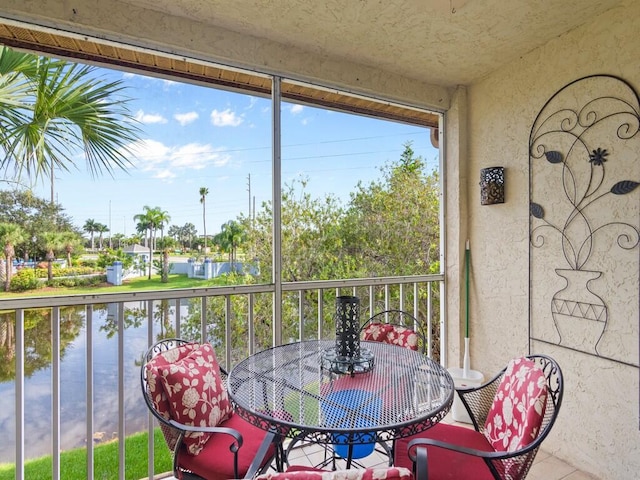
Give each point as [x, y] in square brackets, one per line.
[545, 467]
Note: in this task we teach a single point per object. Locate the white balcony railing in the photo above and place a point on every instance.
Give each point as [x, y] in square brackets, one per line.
[77, 358]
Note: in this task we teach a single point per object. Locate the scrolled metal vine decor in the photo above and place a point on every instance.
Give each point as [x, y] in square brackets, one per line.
[584, 173]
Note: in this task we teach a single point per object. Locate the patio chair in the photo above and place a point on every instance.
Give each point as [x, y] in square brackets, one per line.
[512, 414]
[297, 472]
[183, 387]
[396, 327]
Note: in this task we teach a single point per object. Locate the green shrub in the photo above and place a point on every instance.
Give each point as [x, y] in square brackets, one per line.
[77, 281]
[87, 262]
[71, 271]
[25, 279]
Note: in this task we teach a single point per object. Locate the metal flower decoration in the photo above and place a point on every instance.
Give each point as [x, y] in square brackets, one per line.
[577, 242]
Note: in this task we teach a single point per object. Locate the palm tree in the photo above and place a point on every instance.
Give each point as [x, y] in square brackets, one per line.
[15, 70]
[203, 196]
[230, 237]
[152, 219]
[91, 226]
[101, 228]
[119, 239]
[175, 232]
[53, 241]
[188, 232]
[10, 235]
[68, 110]
[162, 217]
[69, 241]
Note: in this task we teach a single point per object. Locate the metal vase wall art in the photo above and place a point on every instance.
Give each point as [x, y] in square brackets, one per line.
[584, 167]
[348, 327]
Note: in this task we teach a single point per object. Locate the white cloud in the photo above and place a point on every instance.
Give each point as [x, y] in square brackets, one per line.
[149, 117]
[186, 118]
[225, 118]
[166, 162]
[252, 102]
[165, 174]
[197, 156]
[149, 153]
[296, 109]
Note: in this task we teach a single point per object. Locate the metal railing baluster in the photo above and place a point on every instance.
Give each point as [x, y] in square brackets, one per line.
[401, 287]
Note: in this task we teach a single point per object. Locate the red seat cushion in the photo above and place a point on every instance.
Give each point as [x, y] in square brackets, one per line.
[446, 464]
[215, 460]
[518, 407]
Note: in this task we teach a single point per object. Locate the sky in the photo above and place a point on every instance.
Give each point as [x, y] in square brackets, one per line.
[194, 136]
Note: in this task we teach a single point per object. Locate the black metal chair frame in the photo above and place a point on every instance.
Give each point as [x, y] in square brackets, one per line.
[478, 402]
[174, 431]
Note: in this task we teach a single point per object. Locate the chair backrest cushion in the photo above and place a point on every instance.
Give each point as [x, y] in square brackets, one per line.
[154, 387]
[375, 332]
[392, 334]
[195, 393]
[403, 337]
[518, 407]
[384, 473]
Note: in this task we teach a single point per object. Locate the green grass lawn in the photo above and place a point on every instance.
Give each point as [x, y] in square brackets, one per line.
[132, 285]
[73, 463]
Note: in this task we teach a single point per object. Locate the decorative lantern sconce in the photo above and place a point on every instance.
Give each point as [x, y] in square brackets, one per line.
[492, 185]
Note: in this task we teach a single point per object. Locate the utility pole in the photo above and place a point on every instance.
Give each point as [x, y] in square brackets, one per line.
[110, 244]
[249, 189]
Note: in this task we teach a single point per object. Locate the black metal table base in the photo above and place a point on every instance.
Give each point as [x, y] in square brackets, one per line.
[302, 439]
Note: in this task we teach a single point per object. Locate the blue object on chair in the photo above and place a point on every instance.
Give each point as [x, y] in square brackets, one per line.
[351, 409]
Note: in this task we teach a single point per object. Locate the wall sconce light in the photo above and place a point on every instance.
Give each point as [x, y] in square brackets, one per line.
[492, 185]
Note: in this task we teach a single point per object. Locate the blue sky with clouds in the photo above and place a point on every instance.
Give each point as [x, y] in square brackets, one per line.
[194, 136]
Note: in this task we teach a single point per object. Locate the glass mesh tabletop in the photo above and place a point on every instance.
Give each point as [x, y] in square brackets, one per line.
[287, 389]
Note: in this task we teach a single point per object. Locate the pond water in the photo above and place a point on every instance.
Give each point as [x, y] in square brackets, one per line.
[37, 384]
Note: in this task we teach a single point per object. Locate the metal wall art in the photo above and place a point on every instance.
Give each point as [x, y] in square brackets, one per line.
[584, 164]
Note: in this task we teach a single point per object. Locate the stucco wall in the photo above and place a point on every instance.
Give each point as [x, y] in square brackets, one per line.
[598, 427]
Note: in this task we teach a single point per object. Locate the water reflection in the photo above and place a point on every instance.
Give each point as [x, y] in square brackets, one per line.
[73, 368]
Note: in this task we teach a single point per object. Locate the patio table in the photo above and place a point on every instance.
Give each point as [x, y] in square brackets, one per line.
[292, 390]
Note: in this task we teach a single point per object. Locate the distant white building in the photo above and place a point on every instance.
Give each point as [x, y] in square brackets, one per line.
[140, 256]
[137, 251]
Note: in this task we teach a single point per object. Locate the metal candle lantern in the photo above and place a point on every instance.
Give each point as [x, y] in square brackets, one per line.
[492, 185]
[348, 327]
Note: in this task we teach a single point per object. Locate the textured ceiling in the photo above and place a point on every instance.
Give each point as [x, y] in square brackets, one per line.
[436, 42]
[442, 42]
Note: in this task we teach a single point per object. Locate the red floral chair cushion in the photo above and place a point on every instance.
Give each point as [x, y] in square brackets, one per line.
[518, 407]
[156, 392]
[376, 332]
[196, 394]
[393, 334]
[306, 473]
[403, 337]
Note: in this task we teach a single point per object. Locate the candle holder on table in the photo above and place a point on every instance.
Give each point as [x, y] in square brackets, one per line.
[347, 356]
